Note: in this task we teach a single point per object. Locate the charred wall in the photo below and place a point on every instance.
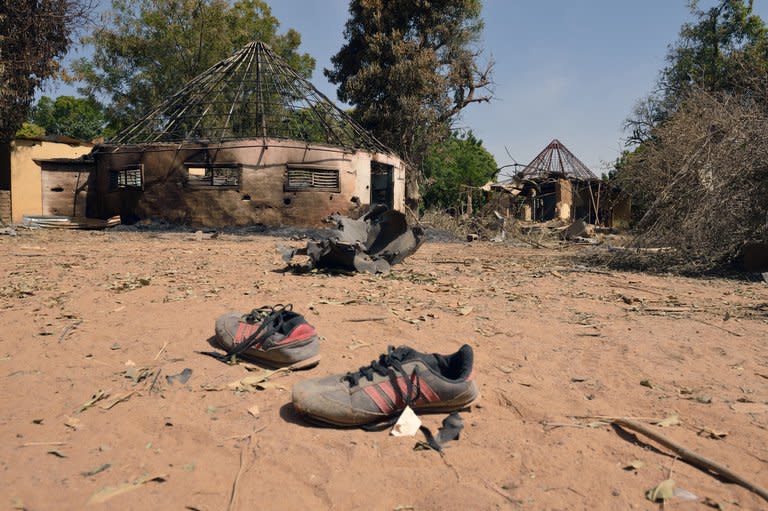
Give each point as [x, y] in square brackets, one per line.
[238, 183]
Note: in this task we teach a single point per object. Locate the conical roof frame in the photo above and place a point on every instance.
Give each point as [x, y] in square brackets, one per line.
[252, 94]
[557, 160]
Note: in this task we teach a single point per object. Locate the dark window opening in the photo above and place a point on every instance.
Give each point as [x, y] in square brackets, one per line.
[129, 177]
[298, 179]
[219, 176]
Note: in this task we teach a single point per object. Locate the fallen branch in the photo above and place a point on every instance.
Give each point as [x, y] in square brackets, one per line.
[690, 456]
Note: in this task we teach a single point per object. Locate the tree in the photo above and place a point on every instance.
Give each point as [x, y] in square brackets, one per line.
[409, 67]
[30, 130]
[449, 167]
[34, 35]
[723, 50]
[151, 48]
[81, 118]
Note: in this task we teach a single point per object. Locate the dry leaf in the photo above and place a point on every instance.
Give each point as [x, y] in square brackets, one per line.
[254, 410]
[107, 493]
[714, 434]
[73, 423]
[672, 420]
[463, 311]
[634, 465]
[664, 491]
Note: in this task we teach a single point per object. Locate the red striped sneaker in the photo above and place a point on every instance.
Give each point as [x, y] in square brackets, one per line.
[380, 391]
[275, 336]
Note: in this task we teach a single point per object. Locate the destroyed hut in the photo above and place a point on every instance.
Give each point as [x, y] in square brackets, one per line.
[557, 185]
[247, 142]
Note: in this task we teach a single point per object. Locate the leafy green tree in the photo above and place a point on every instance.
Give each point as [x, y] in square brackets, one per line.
[716, 51]
[34, 35]
[452, 165]
[81, 118]
[151, 48]
[725, 49]
[30, 130]
[408, 67]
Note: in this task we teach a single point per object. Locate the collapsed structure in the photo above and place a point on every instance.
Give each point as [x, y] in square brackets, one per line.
[557, 185]
[248, 141]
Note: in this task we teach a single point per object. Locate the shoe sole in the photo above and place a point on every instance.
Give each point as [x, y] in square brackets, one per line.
[307, 363]
[421, 411]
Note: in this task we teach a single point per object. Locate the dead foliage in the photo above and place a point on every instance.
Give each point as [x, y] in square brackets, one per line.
[704, 177]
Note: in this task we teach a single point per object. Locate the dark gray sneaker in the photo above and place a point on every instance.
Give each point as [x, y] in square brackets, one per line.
[271, 335]
[380, 391]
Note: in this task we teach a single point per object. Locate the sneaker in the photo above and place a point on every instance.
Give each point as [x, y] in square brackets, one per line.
[275, 336]
[380, 391]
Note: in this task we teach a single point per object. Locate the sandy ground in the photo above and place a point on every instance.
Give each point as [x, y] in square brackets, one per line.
[553, 343]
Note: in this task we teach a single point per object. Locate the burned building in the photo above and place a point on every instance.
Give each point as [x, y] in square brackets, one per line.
[247, 142]
[557, 185]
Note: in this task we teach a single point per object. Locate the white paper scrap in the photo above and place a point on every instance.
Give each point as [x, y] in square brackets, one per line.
[407, 425]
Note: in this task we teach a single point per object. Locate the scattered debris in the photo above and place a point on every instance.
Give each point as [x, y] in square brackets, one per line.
[97, 470]
[450, 430]
[182, 377]
[124, 397]
[107, 493]
[713, 434]
[39, 444]
[634, 465]
[744, 407]
[138, 374]
[70, 222]
[372, 244]
[254, 410]
[407, 425]
[98, 396]
[57, 453]
[664, 491]
[128, 282]
[672, 420]
[254, 382]
[690, 456]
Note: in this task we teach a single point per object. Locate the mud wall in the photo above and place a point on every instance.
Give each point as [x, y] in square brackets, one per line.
[172, 189]
[26, 175]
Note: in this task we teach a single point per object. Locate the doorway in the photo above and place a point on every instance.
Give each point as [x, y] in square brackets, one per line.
[382, 184]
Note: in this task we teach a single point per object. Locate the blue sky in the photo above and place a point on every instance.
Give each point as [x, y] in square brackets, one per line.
[565, 69]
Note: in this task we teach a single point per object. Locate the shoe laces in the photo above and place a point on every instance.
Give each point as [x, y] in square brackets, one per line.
[270, 319]
[390, 364]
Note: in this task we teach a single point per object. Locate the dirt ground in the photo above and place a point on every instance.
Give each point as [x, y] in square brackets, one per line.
[556, 344]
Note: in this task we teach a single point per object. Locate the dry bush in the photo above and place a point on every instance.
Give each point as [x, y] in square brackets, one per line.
[705, 177]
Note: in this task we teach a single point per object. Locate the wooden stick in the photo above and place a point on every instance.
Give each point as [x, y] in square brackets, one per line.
[165, 345]
[233, 495]
[691, 457]
[37, 444]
